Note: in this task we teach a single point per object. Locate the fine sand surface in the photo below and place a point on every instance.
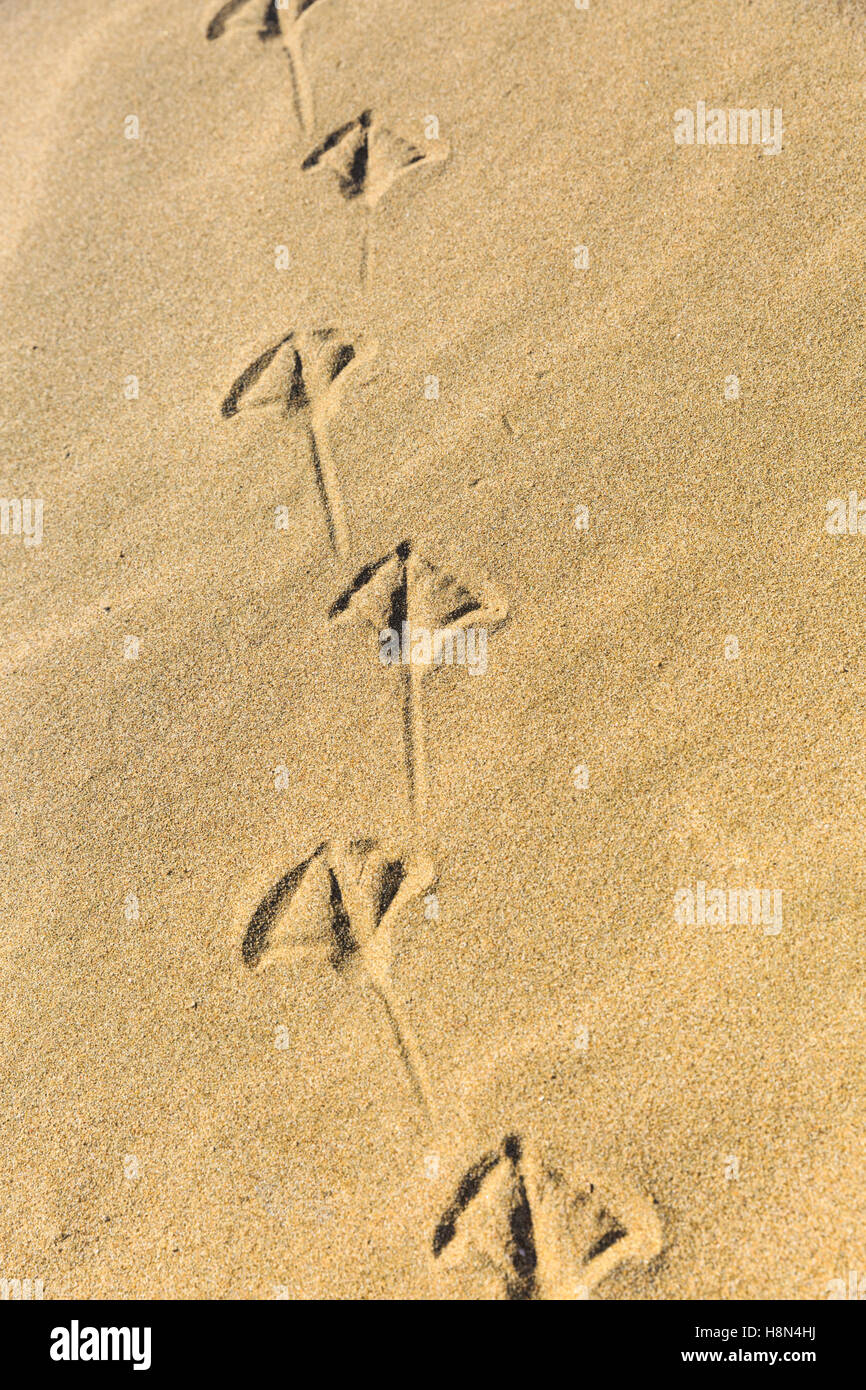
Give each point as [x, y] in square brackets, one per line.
[467, 1049]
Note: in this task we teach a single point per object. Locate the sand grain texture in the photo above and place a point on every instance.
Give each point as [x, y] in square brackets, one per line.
[180, 1123]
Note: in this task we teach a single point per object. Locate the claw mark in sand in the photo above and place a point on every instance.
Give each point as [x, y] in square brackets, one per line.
[341, 905]
[402, 591]
[537, 1235]
[274, 19]
[367, 159]
[300, 379]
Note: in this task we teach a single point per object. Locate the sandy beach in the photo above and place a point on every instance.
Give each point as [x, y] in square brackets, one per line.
[433, 674]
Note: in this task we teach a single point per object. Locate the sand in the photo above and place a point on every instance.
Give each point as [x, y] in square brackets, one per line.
[326, 978]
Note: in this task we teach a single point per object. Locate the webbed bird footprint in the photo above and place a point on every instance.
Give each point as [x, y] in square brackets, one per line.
[366, 159]
[273, 19]
[402, 588]
[422, 615]
[526, 1232]
[304, 370]
[340, 905]
[299, 380]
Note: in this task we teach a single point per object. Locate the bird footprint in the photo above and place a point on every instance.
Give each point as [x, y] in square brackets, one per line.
[403, 587]
[423, 613]
[273, 19]
[529, 1233]
[340, 904]
[298, 372]
[299, 380]
[367, 159]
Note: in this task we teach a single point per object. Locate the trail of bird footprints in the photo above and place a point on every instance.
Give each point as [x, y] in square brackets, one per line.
[514, 1222]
